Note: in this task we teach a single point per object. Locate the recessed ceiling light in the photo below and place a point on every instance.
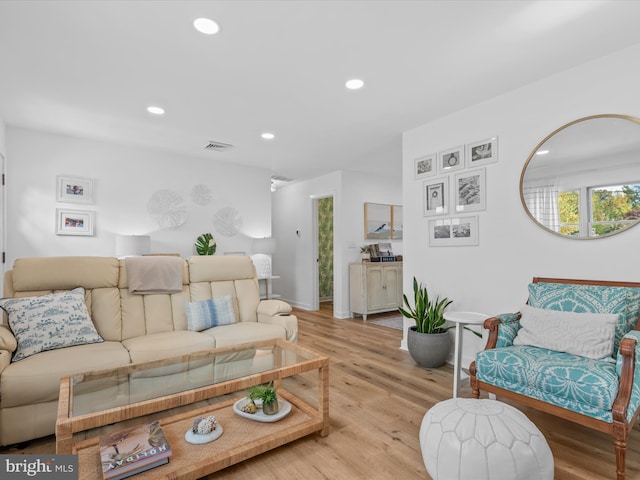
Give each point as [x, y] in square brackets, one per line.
[155, 110]
[542, 152]
[206, 26]
[268, 136]
[354, 84]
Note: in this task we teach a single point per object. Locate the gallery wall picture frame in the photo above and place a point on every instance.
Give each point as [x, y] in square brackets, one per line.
[436, 196]
[74, 222]
[377, 221]
[470, 191]
[482, 153]
[451, 160]
[72, 189]
[454, 232]
[425, 166]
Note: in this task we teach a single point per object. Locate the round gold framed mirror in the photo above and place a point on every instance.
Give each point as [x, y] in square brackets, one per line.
[582, 181]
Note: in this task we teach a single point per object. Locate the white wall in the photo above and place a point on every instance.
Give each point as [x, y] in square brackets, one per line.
[293, 212]
[125, 178]
[493, 277]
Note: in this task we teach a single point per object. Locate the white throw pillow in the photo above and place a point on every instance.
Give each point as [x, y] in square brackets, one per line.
[210, 313]
[49, 322]
[589, 335]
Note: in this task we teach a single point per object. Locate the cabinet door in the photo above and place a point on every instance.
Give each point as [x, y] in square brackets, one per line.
[392, 287]
[375, 288]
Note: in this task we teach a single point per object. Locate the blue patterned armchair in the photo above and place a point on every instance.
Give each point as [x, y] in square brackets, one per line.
[600, 393]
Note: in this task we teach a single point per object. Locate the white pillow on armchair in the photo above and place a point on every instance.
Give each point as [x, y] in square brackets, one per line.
[588, 335]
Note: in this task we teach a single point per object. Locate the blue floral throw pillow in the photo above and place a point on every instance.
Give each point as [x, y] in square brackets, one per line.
[49, 322]
[210, 313]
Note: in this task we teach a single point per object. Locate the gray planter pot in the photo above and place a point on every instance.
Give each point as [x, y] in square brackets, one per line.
[429, 350]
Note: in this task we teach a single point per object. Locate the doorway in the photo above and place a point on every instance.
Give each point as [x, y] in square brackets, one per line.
[323, 219]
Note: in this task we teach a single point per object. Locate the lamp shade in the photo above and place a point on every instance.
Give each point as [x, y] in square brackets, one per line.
[130, 245]
[265, 245]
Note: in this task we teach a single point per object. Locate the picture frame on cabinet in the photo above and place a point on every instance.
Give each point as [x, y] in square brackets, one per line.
[425, 166]
[482, 153]
[436, 196]
[451, 160]
[74, 222]
[454, 231]
[74, 189]
[470, 191]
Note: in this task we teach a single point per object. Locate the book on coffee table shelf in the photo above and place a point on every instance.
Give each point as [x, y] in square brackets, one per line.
[133, 450]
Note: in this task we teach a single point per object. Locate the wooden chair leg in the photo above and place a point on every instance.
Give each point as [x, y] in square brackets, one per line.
[620, 445]
[473, 381]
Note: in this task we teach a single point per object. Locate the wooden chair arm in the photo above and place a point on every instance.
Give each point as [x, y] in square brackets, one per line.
[627, 351]
[492, 324]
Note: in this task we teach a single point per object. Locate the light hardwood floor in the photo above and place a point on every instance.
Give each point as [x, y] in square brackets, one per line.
[378, 397]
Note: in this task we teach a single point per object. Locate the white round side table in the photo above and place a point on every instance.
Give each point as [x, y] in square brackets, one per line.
[461, 319]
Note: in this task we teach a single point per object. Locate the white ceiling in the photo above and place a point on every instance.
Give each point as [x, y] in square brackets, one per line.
[90, 69]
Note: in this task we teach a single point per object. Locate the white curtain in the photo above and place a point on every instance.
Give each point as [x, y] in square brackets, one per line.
[542, 203]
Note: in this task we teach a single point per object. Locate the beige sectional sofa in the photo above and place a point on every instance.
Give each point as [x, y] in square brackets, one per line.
[134, 327]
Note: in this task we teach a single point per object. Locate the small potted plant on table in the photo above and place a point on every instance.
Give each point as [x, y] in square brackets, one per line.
[267, 395]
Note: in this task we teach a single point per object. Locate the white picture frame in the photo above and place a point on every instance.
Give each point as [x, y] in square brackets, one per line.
[454, 231]
[482, 153]
[425, 166]
[451, 160]
[74, 222]
[74, 189]
[436, 197]
[470, 191]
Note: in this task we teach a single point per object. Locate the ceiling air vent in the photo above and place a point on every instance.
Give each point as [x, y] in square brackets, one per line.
[217, 146]
[280, 178]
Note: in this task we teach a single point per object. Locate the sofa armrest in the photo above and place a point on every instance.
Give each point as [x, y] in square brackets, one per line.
[628, 398]
[503, 329]
[272, 308]
[7, 341]
[277, 312]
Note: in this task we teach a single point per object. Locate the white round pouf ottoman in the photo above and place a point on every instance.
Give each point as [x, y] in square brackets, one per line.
[469, 439]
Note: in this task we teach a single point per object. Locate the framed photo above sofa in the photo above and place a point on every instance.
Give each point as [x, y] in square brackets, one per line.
[74, 189]
[74, 222]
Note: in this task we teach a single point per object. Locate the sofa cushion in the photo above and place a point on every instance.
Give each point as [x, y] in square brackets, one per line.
[49, 322]
[36, 379]
[167, 344]
[244, 332]
[590, 335]
[573, 382]
[210, 313]
[589, 298]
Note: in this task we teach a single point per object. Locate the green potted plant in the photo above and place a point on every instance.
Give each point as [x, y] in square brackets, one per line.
[365, 251]
[428, 340]
[267, 395]
[205, 244]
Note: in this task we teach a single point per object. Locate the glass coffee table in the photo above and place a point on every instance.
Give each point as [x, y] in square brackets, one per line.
[179, 389]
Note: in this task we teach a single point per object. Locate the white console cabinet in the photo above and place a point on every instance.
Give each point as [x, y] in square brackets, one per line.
[375, 287]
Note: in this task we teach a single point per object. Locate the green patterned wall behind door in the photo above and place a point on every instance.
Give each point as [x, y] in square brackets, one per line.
[325, 247]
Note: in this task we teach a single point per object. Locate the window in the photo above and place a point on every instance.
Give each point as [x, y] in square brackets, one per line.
[613, 207]
[569, 211]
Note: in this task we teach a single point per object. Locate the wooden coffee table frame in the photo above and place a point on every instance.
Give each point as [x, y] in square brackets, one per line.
[242, 438]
